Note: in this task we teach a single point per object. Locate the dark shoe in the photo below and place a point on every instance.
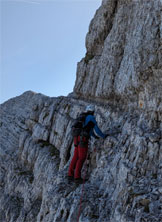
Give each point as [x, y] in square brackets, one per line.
[78, 180]
[70, 179]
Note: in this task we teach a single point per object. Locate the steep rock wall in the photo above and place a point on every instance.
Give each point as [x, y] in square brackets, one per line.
[124, 48]
[124, 173]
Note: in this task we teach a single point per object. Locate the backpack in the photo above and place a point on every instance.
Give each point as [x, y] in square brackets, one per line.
[78, 126]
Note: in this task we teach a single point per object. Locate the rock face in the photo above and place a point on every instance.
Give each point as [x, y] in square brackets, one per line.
[124, 54]
[121, 74]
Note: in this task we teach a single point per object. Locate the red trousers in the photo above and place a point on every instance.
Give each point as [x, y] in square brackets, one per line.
[80, 154]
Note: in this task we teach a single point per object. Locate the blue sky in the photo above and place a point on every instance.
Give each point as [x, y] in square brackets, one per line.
[41, 42]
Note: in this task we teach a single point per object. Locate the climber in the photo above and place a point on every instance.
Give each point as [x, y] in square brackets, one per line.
[90, 128]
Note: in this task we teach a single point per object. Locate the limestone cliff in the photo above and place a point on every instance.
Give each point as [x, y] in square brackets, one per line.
[121, 74]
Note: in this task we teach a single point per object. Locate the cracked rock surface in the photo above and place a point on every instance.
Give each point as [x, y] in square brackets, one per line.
[124, 53]
[121, 74]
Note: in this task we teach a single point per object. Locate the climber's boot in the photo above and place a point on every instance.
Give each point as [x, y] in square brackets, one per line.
[70, 179]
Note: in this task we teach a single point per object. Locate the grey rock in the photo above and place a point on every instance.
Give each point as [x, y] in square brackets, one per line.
[121, 31]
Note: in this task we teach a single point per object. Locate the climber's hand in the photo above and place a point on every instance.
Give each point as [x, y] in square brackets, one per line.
[106, 135]
[96, 137]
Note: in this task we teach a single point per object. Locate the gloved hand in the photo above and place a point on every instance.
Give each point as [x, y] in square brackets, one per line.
[106, 135]
[96, 137]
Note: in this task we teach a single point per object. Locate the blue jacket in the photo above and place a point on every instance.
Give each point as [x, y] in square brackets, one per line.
[91, 118]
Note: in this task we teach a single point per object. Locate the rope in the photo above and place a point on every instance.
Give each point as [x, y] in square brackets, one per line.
[80, 206]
